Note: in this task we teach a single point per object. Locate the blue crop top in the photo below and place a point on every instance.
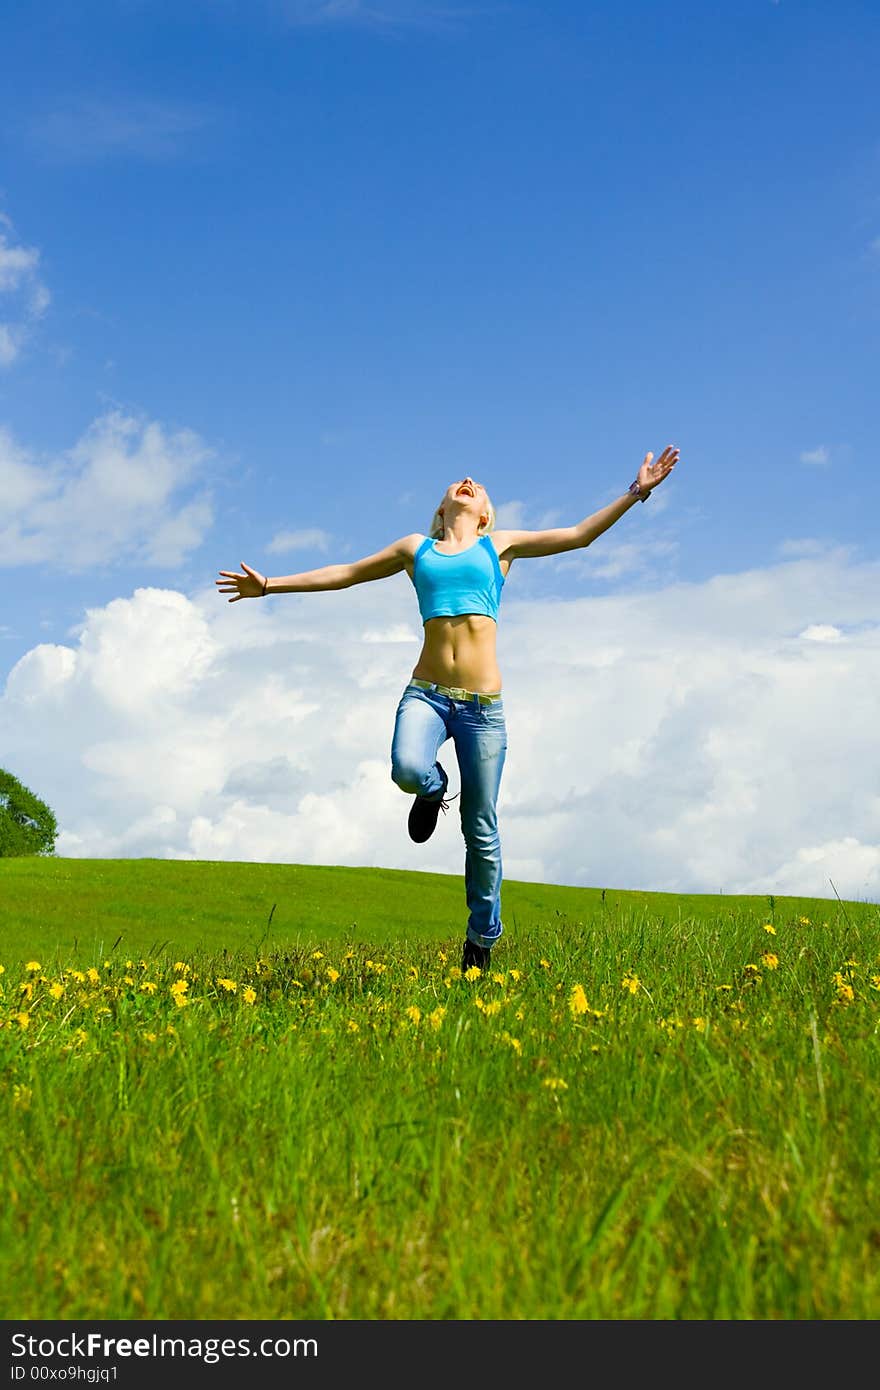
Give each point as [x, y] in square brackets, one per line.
[448, 585]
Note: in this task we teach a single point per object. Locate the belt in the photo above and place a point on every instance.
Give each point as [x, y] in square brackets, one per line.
[455, 693]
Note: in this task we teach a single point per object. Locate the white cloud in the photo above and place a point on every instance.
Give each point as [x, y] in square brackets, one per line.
[510, 516]
[844, 860]
[373, 14]
[819, 455]
[16, 264]
[613, 559]
[24, 294]
[114, 495]
[808, 545]
[342, 436]
[700, 738]
[89, 128]
[313, 539]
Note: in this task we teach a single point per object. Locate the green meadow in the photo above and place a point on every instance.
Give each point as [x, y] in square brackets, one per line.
[248, 1091]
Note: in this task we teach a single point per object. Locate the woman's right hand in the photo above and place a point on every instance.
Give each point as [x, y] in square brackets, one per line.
[247, 585]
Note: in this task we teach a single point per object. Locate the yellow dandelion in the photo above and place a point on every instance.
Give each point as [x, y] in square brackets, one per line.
[770, 960]
[127, 980]
[414, 972]
[149, 986]
[249, 995]
[699, 1024]
[577, 1001]
[317, 955]
[875, 981]
[555, 1083]
[726, 988]
[437, 1016]
[78, 976]
[751, 969]
[353, 1027]
[544, 964]
[670, 1025]
[23, 1018]
[2, 969]
[631, 982]
[473, 972]
[497, 977]
[442, 957]
[515, 975]
[33, 966]
[56, 991]
[414, 1013]
[804, 921]
[229, 985]
[26, 990]
[94, 977]
[512, 1042]
[519, 1015]
[332, 975]
[179, 988]
[845, 993]
[769, 927]
[150, 1037]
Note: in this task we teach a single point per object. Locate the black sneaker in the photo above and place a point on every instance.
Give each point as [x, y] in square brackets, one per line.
[423, 817]
[475, 955]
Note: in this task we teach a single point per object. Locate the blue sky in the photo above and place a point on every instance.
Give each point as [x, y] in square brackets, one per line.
[273, 274]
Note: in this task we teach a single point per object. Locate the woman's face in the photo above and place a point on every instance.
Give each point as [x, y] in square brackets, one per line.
[466, 495]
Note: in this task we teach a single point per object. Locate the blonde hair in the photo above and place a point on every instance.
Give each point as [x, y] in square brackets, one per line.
[436, 529]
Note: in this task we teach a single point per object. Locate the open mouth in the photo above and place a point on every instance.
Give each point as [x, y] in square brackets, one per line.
[466, 489]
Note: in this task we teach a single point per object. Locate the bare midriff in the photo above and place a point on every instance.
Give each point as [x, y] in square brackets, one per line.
[460, 652]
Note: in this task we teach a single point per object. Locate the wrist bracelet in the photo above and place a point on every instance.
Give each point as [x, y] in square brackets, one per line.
[636, 491]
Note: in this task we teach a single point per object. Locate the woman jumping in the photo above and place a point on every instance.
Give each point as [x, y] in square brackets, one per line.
[458, 571]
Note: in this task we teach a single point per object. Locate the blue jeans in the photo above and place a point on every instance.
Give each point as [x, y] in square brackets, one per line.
[425, 719]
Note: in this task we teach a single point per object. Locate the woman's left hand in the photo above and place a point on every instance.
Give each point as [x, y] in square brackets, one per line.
[650, 475]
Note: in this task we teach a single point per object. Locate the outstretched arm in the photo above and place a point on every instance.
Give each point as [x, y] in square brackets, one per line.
[529, 544]
[385, 562]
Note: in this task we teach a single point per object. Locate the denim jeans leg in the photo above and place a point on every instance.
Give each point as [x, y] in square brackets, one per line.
[480, 738]
[419, 729]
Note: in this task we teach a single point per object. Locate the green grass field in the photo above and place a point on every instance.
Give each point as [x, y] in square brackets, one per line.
[245, 1091]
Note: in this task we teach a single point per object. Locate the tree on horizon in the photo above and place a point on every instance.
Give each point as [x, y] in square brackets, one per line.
[27, 824]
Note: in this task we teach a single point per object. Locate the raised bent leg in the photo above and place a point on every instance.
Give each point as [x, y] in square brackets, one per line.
[419, 731]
